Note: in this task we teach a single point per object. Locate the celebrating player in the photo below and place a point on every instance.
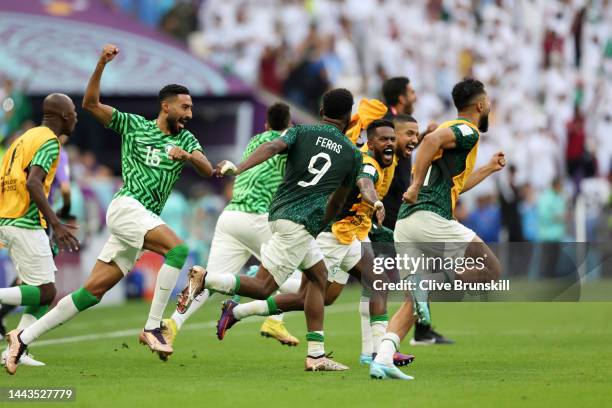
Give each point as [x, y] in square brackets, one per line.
[322, 165]
[243, 226]
[153, 153]
[443, 169]
[28, 169]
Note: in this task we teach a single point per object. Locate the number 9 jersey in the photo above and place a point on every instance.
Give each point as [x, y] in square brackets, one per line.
[319, 160]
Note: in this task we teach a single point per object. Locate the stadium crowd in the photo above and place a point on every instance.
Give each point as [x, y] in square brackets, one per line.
[547, 66]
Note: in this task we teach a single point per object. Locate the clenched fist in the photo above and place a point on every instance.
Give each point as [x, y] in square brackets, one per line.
[109, 52]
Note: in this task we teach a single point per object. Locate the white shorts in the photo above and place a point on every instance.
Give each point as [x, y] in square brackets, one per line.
[31, 254]
[425, 233]
[291, 247]
[128, 222]
[238, 236]
[339, 258]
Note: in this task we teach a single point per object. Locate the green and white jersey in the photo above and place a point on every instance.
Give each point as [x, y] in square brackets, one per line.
[44, 157]
[254, 189]
[449, 170]
[319, 160]
[148, 173]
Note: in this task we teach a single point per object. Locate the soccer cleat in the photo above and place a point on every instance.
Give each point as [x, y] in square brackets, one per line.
[276, 329]
[169, 330]
[26, 359]
[323, 363]
[227, 319]
[194, 287]
[384, 372]
[14, 351]
[425, 335]
[156, 343]
[365, 359]
[401, 359]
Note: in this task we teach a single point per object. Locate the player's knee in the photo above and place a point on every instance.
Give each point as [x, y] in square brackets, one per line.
[177, 256]
[47, 293]
[83, 298]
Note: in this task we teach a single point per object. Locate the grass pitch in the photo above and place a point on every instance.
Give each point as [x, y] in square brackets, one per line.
[507, 355]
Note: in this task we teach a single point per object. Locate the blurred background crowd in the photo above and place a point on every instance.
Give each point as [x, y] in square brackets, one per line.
[546, 64]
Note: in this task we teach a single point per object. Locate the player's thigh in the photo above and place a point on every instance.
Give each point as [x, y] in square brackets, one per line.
[229, 252]
[119, 253]
[130, 222]
[251, 230]
[479, 252]
[31, 254]
[291, 247]
[103, 277]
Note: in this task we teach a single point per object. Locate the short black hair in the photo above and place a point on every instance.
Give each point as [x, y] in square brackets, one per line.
[337, 103]
[394, 87]
[403, 117]
[278, 116]
[170, 91]
[465, 91]
[371, 130]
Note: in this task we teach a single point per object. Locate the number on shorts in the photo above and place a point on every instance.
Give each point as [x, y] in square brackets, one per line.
[319, 173]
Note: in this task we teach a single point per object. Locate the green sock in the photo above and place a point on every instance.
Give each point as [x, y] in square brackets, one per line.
[36, 311]
[30, 295]
[272, 308]
[83, 299]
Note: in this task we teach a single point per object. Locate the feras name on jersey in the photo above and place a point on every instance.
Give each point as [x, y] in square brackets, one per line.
[328, 144]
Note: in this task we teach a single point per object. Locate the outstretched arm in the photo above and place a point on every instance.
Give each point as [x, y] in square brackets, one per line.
[91, 100]
[260, 155]
[496, 163]
[439, 139]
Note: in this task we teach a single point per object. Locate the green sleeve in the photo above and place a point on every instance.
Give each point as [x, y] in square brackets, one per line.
[290, 136]
[465, 136]
[192, 144]
[124, 123]
[46, 155]
[368, 171]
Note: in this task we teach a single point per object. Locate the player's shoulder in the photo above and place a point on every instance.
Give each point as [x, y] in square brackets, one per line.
[460, 128]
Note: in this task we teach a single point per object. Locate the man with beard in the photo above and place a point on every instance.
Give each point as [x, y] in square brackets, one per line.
[400, 98]
[153, 154]
[443, 169]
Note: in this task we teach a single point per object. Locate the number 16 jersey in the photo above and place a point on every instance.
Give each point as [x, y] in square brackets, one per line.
[319, 160]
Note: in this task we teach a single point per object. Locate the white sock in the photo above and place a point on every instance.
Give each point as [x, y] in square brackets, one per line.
[388, 346]
[367, 347]
[256, 307]
[291, 285]
[197, 303]
[26, 321]
[166, 281]
[62, 312]
[316, 347]
[221, 282]
[379, 329]
[10, 296]
[278, 317]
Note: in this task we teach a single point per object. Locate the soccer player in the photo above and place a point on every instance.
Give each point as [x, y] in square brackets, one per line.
[242, 227]
[340, 243]
[443, 169]
[400, 98]
[153, 153]
[27, 172]
[61, 182]
[322, 166]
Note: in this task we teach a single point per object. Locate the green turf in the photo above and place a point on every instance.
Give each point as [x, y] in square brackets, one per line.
[507, 355]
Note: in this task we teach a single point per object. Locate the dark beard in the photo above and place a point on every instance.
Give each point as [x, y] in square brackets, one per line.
[483, 123]
[173, 125]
